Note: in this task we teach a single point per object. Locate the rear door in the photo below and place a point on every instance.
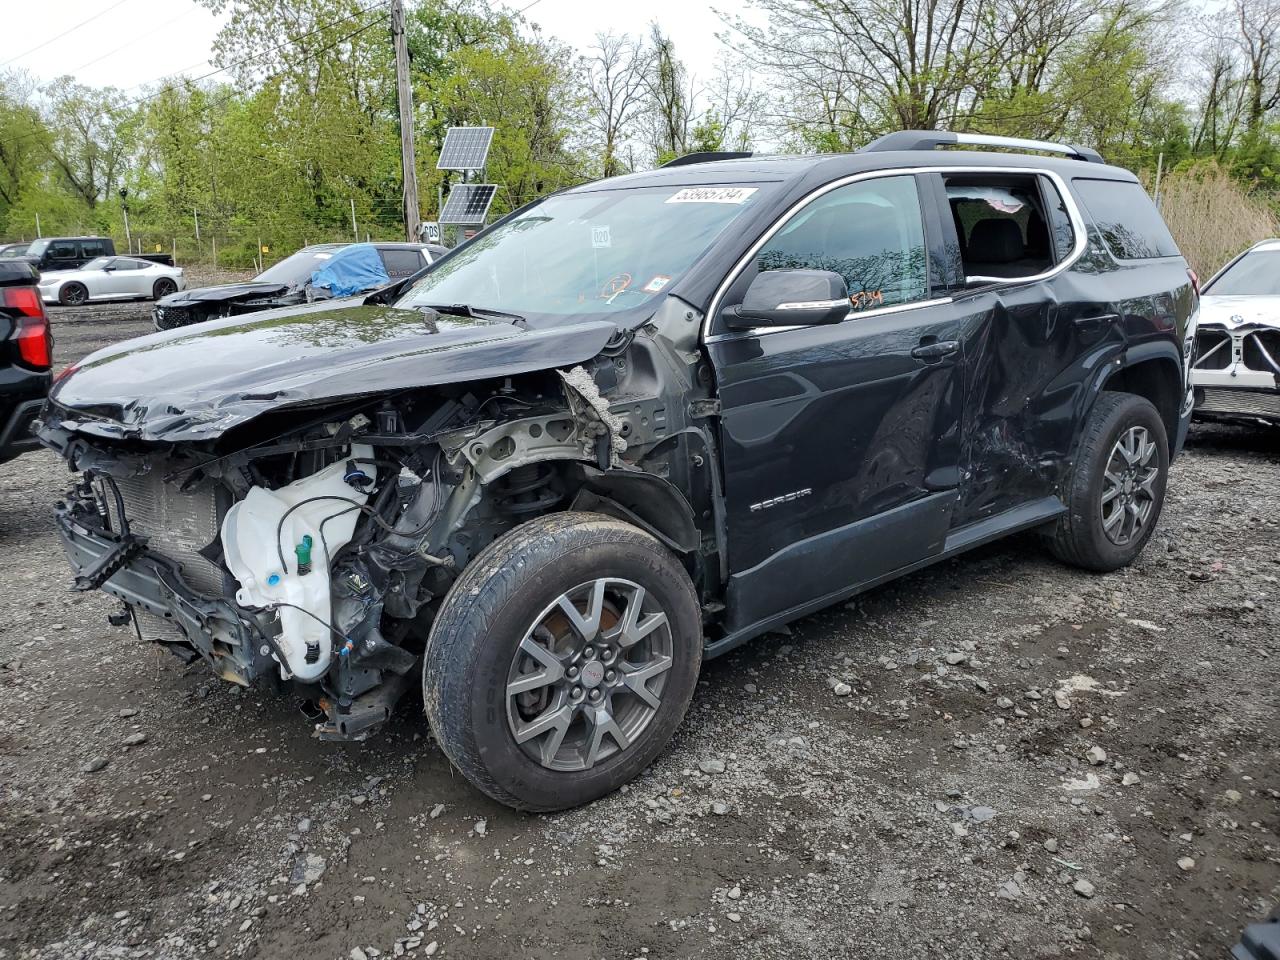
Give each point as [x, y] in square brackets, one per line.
[841, 443]
[90, 250]
[1040, 319]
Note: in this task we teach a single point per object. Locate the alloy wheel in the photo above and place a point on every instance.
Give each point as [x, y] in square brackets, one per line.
[588, 676]
[1128, 486]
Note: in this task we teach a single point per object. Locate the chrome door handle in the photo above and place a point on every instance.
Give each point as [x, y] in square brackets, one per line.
[933, 352]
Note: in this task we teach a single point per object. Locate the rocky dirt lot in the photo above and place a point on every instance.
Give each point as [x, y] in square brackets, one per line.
[996, 757]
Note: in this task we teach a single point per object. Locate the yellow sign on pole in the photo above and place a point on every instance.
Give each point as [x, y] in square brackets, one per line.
[266, 249]
[157, 248]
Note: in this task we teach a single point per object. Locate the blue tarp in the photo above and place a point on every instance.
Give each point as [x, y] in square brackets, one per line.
[352, 269]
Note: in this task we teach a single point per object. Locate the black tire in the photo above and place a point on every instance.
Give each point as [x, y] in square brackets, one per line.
[486, 615]
[1078, 537]
[162, 288]
[73, 294]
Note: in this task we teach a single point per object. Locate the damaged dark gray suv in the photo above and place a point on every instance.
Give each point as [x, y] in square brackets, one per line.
[630, 427]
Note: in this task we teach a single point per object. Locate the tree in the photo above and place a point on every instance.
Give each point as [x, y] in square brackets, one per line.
[670, 100]
[614, 74]
[1258, 23]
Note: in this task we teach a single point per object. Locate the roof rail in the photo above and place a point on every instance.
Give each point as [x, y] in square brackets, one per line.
[707, 156]
[932, 139]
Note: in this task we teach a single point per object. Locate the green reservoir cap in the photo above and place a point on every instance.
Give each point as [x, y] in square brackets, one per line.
[303, 550]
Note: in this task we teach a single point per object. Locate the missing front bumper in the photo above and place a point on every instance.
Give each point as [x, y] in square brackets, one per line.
[234, 643]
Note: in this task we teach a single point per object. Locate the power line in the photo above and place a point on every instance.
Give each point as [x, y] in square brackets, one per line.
[72, 29]
[258, 56]
[132, 41]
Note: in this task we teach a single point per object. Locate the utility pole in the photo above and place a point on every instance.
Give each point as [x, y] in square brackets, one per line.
[408, 163]
[124, 209]
[355, 231]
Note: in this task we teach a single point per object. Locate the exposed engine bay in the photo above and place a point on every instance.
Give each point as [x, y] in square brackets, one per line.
[311, 545]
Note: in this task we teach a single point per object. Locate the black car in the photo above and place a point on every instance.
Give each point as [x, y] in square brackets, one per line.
[630, 427]
[289, 281]
[71, 253]
[26, 356]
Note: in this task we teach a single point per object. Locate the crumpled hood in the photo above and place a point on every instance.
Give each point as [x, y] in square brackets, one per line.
[195, 383]
[1240, 311]
[248, 290]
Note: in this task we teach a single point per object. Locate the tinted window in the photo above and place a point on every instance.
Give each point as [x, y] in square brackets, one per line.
[1256, 274]
[62, 250]
[92, 248]
[1061, 233]
[1127, 219]
[870, 233]
[402, 263]
[124, 263]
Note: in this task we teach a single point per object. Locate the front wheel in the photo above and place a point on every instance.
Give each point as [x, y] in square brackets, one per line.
[1116, 487]
[562, 660]
[73, 294]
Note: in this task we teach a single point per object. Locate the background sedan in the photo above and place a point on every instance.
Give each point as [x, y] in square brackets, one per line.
[111, 278]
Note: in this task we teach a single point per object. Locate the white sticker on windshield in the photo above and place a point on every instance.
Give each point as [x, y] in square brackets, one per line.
[712, 195]
[600, 237]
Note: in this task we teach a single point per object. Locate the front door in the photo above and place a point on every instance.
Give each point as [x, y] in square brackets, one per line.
[841, 443]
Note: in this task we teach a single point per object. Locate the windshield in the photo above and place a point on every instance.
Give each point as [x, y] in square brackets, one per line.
[97, 263]
[1256, 274]
[578, 254]
[297, 269]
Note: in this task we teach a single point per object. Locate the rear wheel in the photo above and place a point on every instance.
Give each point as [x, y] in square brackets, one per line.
[162, 288]
[1116, 488]
[72, 294]
[562, 660]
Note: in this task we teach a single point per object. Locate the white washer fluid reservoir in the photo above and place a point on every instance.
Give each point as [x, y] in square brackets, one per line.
[253, 551]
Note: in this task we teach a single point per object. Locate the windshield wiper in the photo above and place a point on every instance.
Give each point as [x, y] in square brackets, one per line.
[475, 313]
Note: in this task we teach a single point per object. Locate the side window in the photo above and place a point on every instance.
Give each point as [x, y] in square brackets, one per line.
[62, 250]
[871, 233]
[1002, 225]
[92, 248]
[124, 263]
[402, 263]
[1126, 218]
[1060, 229]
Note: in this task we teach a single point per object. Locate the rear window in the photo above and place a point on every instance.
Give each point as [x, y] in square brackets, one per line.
[402, 263]
[1127, 219]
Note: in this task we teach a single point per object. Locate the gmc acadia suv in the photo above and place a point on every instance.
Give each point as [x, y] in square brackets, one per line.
[629, 427]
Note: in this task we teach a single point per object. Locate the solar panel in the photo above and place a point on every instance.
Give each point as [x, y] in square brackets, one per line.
[465, 148]
[468, 203]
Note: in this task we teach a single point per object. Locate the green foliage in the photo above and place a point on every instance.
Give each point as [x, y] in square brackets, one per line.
[303, 124]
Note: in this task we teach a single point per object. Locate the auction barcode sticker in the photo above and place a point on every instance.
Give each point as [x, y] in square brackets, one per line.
[712, 195]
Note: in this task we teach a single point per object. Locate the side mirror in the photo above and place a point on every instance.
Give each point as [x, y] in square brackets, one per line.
[791, 298]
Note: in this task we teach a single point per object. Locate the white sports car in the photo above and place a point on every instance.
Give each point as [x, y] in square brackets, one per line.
[1236, 374]
[111, 278]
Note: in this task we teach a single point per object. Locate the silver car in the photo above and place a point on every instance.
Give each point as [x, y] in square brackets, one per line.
[111, 278]
[1237, 366]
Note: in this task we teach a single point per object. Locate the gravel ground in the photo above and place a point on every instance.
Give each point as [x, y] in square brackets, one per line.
[996, 757]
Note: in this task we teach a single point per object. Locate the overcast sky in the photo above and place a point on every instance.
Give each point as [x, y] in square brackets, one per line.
[132, 43]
